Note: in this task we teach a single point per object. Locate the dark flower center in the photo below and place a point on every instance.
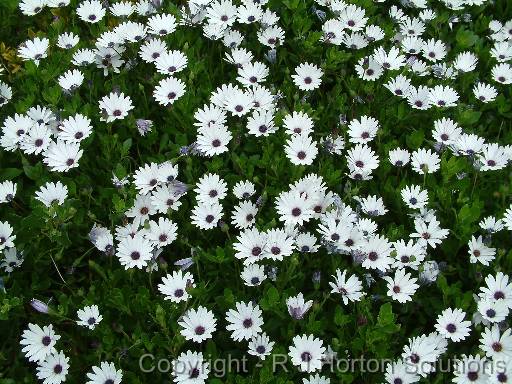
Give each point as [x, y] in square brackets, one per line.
[70, 162]
[117, 112]
[209, 218]
[296, 212]
[216, 143]
[301, 155]
[473, 376]
[256, 251]
[91, 321]
[396, 289]
[373, 256]
[451, 328]
[57, 369]
[490, 313]
[179, 293]
[308, 80]
[46, 341]
[247, 323]
[199, 330]
[260, 349]
[306, 356]
[135, 255]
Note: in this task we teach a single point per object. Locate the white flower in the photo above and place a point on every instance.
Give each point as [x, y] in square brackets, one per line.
[71, 80]
[479, 252]
[62, 156]
[75, 128]
[7, 191]
[495, 344]
[106, 373]
[307, 77]
[206, 215]
[6, 236]
[307, 353]
[253, 275]
[414, 196]
[34, 50]
[114, 107]
[260, 346]
[198, 324]
[402, 287]
[91, 11]
[89, 316]
[244, 322]
[54, 369]
[350, 289]
[190, 368]
[174, 286]
[169, 90]
[38, 342]
[134, 252]
[451, 324]
[470, 369]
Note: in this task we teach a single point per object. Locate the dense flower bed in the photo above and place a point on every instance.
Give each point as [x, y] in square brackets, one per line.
[255, 191]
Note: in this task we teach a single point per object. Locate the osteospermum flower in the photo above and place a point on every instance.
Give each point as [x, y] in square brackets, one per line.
[71, 80]
[75, 128]
[293, 208]
[198, 324]
[169, 90]
[12, 259]
[399, 157]
[301, 149]
[244, 322]
[134, 252]
[89, 316]
[307, 77]
[260, 346]
[106, 373]
[62, 156]
[38, 343]
[5, 93]
[493, 311]
[91, 11]
[479, 252]
[6, 235]
[161, 24]
[115, 106]
[253, 275]
[402, 286]
[377, 250]
[170, 63]
[307, 353]
[495, 344]
[54, 369]
[414, 197]
[31, 7]
[425, 161]
[350, 289]
[470, 369]
[7, 191]
[34, 50]
[298, 123]
[451, 324]
[206, 215]
[191, 368]
[175, 286]
[52, 193]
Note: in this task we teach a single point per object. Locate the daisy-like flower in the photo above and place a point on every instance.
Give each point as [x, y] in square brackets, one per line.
[115, 106]
[470, 369]
[498, 288]
[298, 123]
[443, 96]
[507, 218]
[34, 50]
[122, 8]
[408, 254]
[465, 62]
[261, 123]
[54, 369]
[175, 286]
[141, 210]
[414, 197]
[253, 275]
[214, 141]
[238, 102]
[106, 373]
[293, 209]
[169, 90]
[36, 140]
[31, 7]
[162, 233]
[451, 324]
[169, 63]
[260, 346]
[434, 50]
[245, 322]
[391, 60]
[297, 306]
[350, 289]
[134, 252]
[244, 215]
[420, 354]
[429, 233]
[425, 161]
[307, 77]
[12, 259]
[399, 372]
[75, 128]
[495, 344]
[249, 13]
[316, 379]
[7, 191]
[244, 189]
[198, 324]
[250, 245]
[419, 98]
[368, 69]
[209, 116]
[38, 343]
[210, 188]
[91, 11]
[271, 36]
[62, 156]
[364, 130]
[500, 372]
[301, 149]
[399, 86]
[372, 205]
[152, 49]
[492, 157]
[491, 225]
[6, 236]
[307, 353]
[446, 131]
[238, 57]
[190, 368]
[479, 252]
[252, 73]
[89, 316]
[206, 215]
[502, 73]
[279, 244]
[67, 40]
[5, 93]
[377, 250]
[362, 158]
[161, 24]
[52, 193]
[399, 157]
[493, 311]
[147, 178]
[83, 57]
[71, 80]
[402, 287]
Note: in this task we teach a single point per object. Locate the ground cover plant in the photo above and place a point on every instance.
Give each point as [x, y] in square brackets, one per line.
[255, 191]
